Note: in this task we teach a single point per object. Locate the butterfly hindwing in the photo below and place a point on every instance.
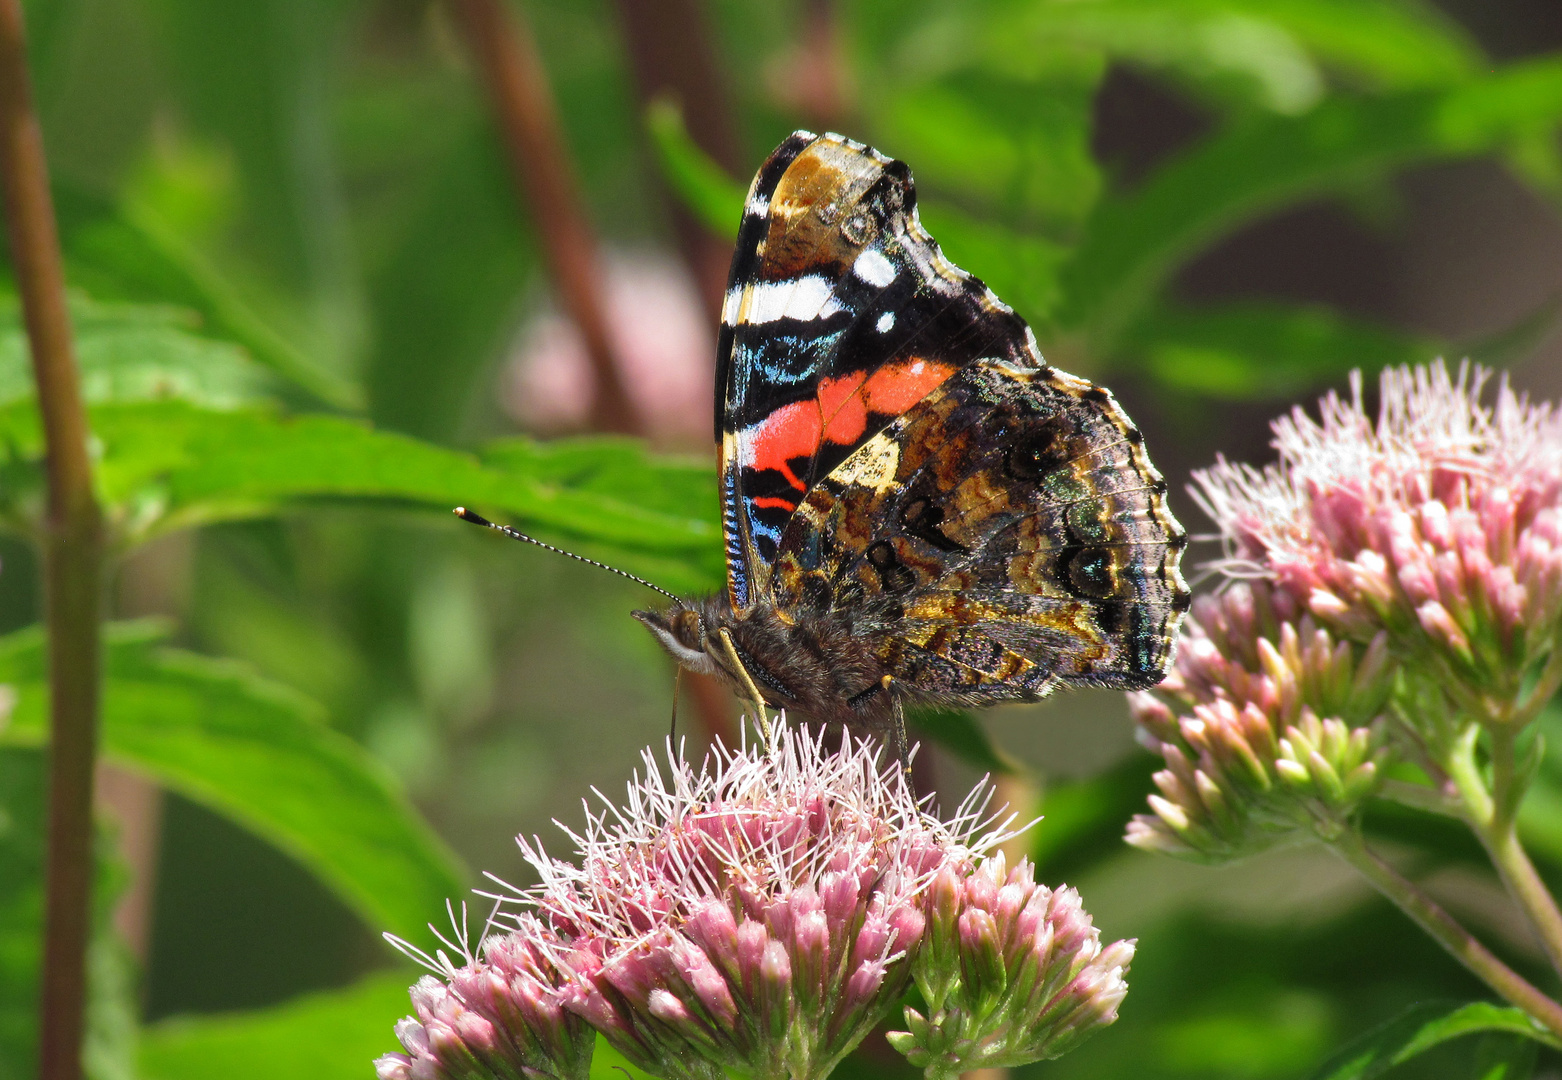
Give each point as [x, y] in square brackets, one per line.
[1005, 533]
[840, 315]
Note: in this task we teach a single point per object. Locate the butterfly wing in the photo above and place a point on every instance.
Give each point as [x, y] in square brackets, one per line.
[841, 313]
[1005, 534]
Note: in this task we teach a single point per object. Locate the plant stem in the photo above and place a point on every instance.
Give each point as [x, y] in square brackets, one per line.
[1424, 911]
[72, 556]
[1420, 797]
[501, 43]
[669, 44]
[1490, 815]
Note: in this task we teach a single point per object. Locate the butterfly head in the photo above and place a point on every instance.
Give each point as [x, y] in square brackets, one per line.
[687, 633]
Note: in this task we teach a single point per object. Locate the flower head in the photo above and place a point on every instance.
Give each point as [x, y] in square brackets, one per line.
[1011, 971]
[495, 1016]
[1439, 524]
[1270, 728]
[758, 917]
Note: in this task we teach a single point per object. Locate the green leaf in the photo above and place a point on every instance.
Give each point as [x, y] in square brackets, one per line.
[958, 732]
[111, 976]
[705, 188]
[322, 1036]
[128, 254]
[1505, 1057]
[1016, 150]
[1135, 242]
[614, 467]
[325, 1036]
[135, 352]
[168, 465]
[1421, 1027]
[1272, 54]
[261, 755]
[1020, 268]
[1263, 351]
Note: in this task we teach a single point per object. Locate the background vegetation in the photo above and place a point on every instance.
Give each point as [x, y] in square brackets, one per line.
[313, 314]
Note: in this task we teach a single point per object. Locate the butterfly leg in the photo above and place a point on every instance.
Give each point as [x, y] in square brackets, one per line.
[898, 744]
[748, 682]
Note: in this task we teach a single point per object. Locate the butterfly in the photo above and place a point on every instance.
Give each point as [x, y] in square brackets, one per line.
[916, 507]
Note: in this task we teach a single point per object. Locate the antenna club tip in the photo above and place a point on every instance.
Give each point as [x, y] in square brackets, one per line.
[468, 515]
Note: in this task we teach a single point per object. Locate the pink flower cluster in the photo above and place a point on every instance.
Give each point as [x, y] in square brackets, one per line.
[1267, 724]
[1011, 971]
[498, 1016]
[1440, 523]
[758, 916]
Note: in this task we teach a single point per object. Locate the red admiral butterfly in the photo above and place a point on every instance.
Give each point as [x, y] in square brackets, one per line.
[916, 506]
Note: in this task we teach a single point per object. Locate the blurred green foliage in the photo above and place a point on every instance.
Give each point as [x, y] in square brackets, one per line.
[298, 267]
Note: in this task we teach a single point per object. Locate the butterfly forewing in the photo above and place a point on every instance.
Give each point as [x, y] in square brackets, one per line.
[841, 314]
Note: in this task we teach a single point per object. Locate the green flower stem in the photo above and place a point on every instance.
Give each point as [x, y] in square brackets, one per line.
[72, 548]
[1540, 694]
[1490, 815]
[1420, 797]
[1509, 984]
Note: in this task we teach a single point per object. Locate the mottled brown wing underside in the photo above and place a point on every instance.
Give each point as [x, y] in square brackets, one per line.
[1005, 534]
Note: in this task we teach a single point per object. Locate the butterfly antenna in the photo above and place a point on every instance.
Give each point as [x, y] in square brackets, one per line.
[515, 534]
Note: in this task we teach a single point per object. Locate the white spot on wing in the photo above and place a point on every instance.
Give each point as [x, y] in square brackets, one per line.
[874, 268]
[758, 206]
[803, 298]
[886, 321]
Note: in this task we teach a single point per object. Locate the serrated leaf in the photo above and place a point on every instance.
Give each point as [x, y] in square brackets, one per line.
[261, 755]
[703, 186]
[168, 465]
[136, 352]
[1264, 351]
[1134, 242]
[1421, 1027]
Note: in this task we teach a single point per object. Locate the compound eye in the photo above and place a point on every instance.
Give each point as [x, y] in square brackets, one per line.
[687, 629]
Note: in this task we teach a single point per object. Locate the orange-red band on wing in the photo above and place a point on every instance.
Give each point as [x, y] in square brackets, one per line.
[839, 413]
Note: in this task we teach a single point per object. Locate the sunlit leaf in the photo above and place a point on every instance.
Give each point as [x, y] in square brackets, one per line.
[136, 352]
[1422, 1027]
[1017, 150]
[1263, 351]
[615, 467]
[128, 254]
[1134, 242]
[323, 1036]
[168, 465]
[261, 755]
[1275, 54]
[705, 188]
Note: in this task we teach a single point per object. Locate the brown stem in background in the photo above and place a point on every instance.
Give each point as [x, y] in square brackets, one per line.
[671, 52]
[505, 51]
[813, 78]
[72, 558]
